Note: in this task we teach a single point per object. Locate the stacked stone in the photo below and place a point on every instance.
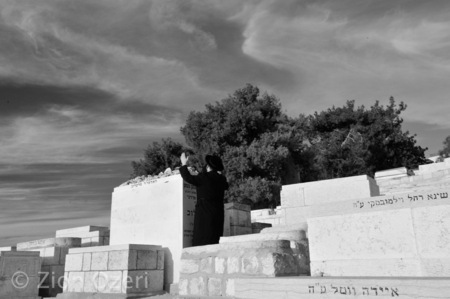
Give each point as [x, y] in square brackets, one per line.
[129, 270]
[148, 178]
[90, 235]
[210, 270]
[19, 274]
[53, 253]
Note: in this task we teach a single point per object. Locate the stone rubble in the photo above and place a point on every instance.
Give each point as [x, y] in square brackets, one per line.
[146, 178]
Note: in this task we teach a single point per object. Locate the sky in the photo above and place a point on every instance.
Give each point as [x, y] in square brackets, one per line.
[86, 85]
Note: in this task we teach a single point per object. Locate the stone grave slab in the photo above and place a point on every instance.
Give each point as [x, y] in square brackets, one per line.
[237, 219]
[118, 271]
[327, 191]
[340, 287]
[159, 211]
[19, 274]
[53, 253]
[398, 235]
[207, 270]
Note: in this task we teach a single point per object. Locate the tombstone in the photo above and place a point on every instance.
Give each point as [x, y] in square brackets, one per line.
[296, 198]
[114, 271]
[402, 234]
[237, 219]
[155, 212]
[90, 235]
[19, 274]
[53, 253]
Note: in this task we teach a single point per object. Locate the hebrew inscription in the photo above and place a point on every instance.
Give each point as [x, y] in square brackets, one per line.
[397, 200]
[353, 291]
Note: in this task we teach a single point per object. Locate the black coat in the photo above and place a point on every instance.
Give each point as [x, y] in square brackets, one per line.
[209, 211]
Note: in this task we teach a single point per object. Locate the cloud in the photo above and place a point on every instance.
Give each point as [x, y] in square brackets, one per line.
[86, 85]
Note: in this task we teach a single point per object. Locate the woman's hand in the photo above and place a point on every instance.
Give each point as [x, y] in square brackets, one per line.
[184, 159]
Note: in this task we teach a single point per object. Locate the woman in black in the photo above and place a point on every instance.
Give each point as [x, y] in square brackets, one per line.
[209, 212]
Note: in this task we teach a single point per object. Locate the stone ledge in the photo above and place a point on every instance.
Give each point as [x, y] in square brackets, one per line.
[81, 229]
[210, 249]
[293, 235]
[19, 253]
[290, 227]
[50, 242]
[106, 296]
[340, 287]
[114, 247]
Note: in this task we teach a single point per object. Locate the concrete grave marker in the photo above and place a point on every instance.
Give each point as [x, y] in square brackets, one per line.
[159, 211]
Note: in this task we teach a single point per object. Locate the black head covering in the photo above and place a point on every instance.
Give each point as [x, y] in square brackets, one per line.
[214, 162]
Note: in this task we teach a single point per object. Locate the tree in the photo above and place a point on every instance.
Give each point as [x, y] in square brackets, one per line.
[158, 157]
[445, 152]
[259, 144]
[354, 140]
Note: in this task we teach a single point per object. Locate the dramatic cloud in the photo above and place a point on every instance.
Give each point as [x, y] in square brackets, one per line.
[85, 85]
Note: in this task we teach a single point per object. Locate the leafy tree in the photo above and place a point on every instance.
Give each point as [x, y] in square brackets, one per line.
[259, 144]
[158, 157]
[355, 140]
[445, 152]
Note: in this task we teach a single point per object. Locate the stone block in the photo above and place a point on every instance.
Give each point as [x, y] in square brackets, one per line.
[8, 248]
[160, 260]
[197, 286]
[147, 260]
[99, 261]
[250, 265]
[110, 282]
[233, 265]
[49, 242]
[91, 281]
[278, 264]
[214, 286]
[122, 259]
[74, 282]
[220, 265]
[19, 274]
[183, 286]
[63, 252]
[145, 281]
[87, 258]
[80, 230]
[207, 265]
[74, 262]
[51, 256]
[189, 266]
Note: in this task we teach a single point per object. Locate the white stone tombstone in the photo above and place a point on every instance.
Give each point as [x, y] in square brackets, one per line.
[155, 212]
[405, 234]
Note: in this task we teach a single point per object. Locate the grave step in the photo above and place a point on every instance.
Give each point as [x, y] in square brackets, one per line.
[341, 287]
[292, 235]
